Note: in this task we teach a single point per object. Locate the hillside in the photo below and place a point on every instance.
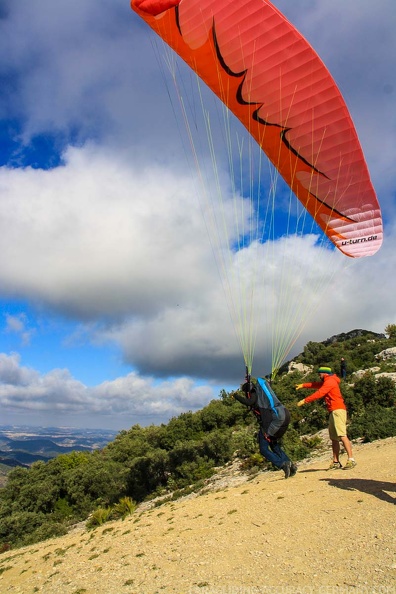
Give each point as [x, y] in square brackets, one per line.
[321, 531]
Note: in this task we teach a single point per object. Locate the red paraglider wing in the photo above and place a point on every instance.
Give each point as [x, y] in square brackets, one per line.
[269, 76]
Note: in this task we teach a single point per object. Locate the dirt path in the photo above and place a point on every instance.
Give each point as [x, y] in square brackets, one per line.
[319, 532]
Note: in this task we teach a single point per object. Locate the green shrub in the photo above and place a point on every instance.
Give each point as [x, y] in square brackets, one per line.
[48, 529]
[217, 446]
[24, 528]
[147, 474]
[313, 418]
[244, 442]
[62, 509]
[293, 446]
[99, 517]
[312, 443]
[375, 423]
[125, 507]
[255, 463]
[189, 473]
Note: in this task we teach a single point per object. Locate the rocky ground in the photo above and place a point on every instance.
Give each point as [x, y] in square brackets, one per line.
[319, 532]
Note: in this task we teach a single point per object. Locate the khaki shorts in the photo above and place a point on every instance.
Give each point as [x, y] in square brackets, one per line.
[337, 423]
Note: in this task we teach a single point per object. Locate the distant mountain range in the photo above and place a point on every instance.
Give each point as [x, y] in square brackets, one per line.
[23, 445]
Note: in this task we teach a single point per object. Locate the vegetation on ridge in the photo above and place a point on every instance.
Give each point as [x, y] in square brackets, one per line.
[143, 463]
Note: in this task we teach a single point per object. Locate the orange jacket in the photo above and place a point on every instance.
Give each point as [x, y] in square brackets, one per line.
[330, 390]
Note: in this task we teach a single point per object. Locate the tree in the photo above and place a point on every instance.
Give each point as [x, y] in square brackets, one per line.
[101, 481]
[315, 353]
[390, 331]
[147, 474]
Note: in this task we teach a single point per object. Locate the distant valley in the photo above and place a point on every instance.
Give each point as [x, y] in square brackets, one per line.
[22, 445]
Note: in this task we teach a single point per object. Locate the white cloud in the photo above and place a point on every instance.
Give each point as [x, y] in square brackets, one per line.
[12, 374]
[98, 237]
[18, 325]
[84, 71]
[126, 400]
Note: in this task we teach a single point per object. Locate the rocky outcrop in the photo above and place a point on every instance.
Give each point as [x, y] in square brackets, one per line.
[387, 354]
[353, 334]
[294, 366]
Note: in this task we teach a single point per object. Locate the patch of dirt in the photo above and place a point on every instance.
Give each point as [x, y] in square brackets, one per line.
[319, 532]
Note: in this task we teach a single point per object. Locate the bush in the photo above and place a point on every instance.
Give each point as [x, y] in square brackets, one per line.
[14, 527]
[353, 400]
[100, 481]
[147, 474]
[98, 517]
[254, 463]
[47, 529]
[62, 509]
[26, 528]
[375, 423]
[295, 448]
[244, 442]
[313, 418]
[217, 446]
[189, 473]
[312, 443]
[125, 507]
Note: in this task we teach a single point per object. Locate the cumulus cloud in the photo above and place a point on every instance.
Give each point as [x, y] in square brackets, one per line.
[98, 237]
[93, 74]
[124, 401]
[12, 374]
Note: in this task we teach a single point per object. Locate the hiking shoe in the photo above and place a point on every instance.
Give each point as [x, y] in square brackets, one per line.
[293, 469]
[286, 467]
[335, 465]
[350, 464]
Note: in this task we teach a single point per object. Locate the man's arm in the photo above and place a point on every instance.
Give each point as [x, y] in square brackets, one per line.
[322, 391]
[252, 401]
[315, 395]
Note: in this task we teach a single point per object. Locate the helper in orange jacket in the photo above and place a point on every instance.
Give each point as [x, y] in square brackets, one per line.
[329, 389]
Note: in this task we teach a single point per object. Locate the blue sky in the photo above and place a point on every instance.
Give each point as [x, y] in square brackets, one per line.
[112, 310]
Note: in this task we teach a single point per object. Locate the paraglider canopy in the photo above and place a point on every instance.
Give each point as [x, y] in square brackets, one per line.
[269, 76]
